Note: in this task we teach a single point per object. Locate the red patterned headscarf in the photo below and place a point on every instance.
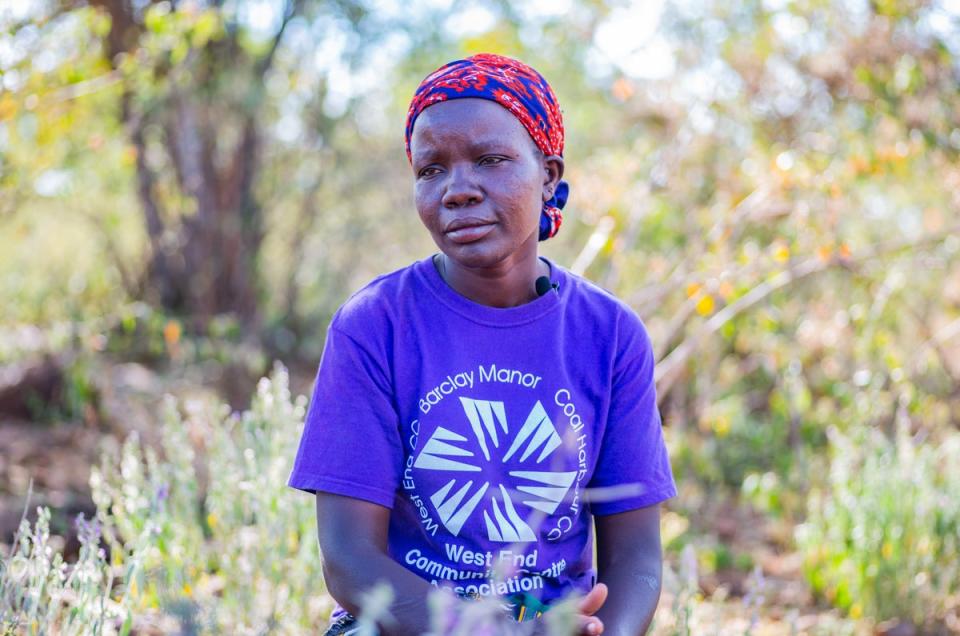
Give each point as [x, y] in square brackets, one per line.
[518, 88]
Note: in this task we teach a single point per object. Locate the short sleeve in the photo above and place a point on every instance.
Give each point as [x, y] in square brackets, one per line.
[633, 469]
[351, 439]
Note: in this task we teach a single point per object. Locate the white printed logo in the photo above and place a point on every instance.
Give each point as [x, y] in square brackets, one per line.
[534, 442]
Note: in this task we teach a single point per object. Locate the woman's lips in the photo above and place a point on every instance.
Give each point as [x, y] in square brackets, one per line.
[470, 234]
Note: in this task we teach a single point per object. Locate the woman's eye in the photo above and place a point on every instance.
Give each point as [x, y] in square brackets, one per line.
[490, 161]
[428, 171]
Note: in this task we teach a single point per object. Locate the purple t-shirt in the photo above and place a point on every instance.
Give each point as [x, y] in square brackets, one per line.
[492, 434]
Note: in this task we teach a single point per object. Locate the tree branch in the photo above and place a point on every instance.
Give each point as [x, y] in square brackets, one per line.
[668, 369]
[292, 8]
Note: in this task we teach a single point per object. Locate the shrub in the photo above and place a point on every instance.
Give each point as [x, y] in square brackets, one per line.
[883, 538]
[238, 556]
[41, 594]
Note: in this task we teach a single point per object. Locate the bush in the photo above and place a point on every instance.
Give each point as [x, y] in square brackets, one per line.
[199, 542]
[41, 594]
[237, 556]
[883, 539]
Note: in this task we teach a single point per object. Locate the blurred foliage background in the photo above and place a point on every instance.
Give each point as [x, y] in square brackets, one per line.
[189, 189]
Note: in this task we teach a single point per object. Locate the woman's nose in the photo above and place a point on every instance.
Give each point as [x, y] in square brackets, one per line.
[461, 189]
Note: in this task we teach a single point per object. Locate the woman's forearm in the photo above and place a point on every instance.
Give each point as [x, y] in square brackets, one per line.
[351, 576]
[633, 597]
[353, 543]
[630, 562]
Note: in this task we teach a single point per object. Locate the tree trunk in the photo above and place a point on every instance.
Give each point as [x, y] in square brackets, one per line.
[202, 263]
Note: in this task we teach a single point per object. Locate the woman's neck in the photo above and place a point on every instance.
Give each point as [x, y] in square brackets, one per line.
[511, 284]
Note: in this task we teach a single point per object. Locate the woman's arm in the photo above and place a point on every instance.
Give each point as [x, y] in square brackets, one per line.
[629, 561]
[353, 540]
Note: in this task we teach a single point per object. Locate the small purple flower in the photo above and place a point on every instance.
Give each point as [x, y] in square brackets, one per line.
[88, 532]
[754, 598]
[162, 493]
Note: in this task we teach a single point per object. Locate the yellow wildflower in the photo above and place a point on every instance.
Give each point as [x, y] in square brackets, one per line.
[705, 305]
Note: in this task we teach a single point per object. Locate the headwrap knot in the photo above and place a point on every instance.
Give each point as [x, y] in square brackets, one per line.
[518, 88]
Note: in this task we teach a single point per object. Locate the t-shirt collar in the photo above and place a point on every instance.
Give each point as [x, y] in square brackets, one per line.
[485, 314]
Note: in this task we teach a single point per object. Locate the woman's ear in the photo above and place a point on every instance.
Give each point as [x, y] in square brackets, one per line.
[552, 173]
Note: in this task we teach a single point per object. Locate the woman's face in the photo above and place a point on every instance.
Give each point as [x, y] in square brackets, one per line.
[480, 181]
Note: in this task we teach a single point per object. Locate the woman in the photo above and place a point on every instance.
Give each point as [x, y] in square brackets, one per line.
[477, 411]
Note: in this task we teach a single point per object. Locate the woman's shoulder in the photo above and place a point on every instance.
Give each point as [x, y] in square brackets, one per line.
[604, 308]
[376, 302]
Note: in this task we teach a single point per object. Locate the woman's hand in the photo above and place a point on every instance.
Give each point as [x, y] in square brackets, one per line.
[587, 623]
[590, 625]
